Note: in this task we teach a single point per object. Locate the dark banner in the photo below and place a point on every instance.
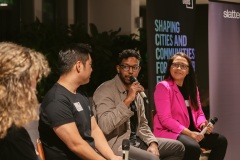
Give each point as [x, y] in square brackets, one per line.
[170, 29]
[224, 71]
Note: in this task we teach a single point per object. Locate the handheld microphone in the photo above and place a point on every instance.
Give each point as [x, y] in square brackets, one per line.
[125, 148]
[143, 95]
[212, 122]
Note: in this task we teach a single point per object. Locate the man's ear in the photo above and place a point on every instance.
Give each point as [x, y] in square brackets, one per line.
[78, 66]
[118, 68]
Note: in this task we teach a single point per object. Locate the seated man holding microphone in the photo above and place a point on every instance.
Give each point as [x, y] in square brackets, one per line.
[120, 113]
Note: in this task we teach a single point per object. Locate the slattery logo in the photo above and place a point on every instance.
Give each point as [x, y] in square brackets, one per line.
[232, 14]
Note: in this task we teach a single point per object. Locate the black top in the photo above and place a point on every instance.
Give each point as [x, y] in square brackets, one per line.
[186, 98]
[17, 145]
[59, 107]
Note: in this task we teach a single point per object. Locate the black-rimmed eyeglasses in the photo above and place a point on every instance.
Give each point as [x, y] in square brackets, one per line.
[182, 66]
[127, 67]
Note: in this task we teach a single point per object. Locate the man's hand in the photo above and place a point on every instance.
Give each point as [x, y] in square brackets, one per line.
[153, 148]
[133, 89]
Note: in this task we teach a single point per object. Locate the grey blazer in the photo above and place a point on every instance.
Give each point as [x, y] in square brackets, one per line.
[113, 116]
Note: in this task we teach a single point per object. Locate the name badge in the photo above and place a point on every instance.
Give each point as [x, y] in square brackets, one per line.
[187, 103]
[78, 106]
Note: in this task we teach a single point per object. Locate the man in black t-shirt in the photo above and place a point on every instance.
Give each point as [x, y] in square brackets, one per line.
[67, 127]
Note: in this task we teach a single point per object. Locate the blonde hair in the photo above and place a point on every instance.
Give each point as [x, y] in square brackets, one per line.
[18, 68]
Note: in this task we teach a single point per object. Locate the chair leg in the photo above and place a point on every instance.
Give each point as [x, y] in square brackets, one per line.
[40, 149]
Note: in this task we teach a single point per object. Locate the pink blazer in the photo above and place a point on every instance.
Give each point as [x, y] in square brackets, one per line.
[172, 114]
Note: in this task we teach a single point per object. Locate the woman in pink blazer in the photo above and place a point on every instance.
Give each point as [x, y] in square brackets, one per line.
[179, 112]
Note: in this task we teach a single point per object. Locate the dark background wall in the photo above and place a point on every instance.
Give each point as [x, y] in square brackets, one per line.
[201, 45]
[9, 21]
[22, 12]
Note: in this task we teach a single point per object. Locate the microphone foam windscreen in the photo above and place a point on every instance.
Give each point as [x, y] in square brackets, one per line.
[133, 79]
[214, 120]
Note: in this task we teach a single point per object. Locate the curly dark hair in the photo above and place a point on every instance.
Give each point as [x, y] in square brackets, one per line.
[125, 54]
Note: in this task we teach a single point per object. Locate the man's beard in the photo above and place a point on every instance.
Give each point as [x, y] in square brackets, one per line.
[123, 79]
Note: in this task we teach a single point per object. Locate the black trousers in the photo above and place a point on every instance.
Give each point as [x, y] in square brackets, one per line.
[214, 141]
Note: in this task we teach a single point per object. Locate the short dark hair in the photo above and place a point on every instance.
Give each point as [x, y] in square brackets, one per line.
[72, 53]
[128, 53]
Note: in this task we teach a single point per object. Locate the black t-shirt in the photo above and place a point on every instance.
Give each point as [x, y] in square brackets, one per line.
[17, 145]
[186, 98]
[59, 107]
[133, 124]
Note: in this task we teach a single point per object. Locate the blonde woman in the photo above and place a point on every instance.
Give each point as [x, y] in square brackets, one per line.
[20, 70]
